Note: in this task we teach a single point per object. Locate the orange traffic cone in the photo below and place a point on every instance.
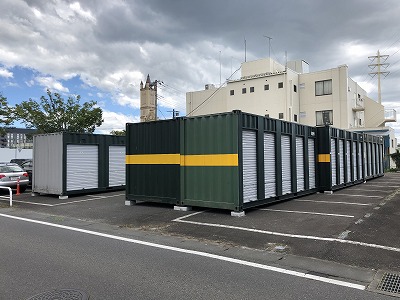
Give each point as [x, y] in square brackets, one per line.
[18, 193]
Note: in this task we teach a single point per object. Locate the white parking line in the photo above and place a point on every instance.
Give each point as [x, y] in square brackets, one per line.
[351, 195]
[367, 190]
[306, 212]
[333, 202]
[110, 196]
[34, 203]
[197, 253]
[64, 203]
[384, 186]
[298, 236]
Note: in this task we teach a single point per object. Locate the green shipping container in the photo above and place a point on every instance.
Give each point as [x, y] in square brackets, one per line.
[230, 161]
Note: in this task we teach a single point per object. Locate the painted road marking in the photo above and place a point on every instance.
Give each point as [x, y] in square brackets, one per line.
[351, 195]
[367, 190]
[333, 202]
[299, 236]
[306, 212]
[64, 203]
[34, 203]
[197, 253]
[384, 186]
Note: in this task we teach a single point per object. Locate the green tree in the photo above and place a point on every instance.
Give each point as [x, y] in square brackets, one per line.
[396, 158]
[53, 114]
[5, 118]
[118, 132]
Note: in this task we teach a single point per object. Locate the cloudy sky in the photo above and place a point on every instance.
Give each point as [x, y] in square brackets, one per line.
[101, 50]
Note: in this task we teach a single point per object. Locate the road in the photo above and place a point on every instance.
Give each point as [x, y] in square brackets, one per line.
[39, 257]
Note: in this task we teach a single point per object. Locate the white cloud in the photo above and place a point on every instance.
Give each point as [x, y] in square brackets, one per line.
[86, 14]
[115, 121]
[52, 84]
[5, 73]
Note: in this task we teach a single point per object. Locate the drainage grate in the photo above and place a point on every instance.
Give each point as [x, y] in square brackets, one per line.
[390, 283]
[66, 294]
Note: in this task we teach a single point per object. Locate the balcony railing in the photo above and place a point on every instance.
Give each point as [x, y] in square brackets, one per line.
[390, 115]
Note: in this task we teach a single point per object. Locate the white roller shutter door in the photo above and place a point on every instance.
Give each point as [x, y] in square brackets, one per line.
[354, 154]
[360, 162]
[286, 165]
[269, 165]
[370, 159]
[249, 142]
[341, 162]
[365, 159]
[311, 163]
[348, 161]
[374, 159]
[116, 161]
[300, 163]
[333, 161]
[82, 167]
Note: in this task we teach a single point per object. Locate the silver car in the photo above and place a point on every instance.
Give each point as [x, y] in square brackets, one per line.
[9, 175]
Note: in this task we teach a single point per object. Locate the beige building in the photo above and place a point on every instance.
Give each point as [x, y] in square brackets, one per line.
[294, 94]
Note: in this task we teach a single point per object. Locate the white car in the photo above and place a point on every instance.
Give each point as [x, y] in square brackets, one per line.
[10, 173]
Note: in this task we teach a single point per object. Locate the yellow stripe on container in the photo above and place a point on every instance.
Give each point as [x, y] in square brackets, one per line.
[206, 160]
[153, 159]
[210, 160]
[324, 158]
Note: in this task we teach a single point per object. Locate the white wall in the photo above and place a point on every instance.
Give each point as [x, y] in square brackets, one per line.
[7, 154]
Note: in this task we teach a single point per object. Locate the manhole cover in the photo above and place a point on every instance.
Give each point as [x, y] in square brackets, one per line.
[390, 283]
[64, 294]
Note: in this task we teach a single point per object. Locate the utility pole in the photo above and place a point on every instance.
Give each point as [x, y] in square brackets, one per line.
[175, 113]
[380, 63]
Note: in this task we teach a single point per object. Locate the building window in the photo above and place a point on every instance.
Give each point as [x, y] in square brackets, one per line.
[243, 90]
[324, 117]
[280, 85]
[232, 92]
[295, 118]
[295, 88]
[280, 115]
[252, 89]
[323, 87]
[266, 87]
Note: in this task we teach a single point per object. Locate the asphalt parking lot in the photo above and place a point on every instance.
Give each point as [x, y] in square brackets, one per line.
[355, 227]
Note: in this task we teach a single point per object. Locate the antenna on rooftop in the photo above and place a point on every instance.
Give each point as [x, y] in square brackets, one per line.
[269, 45]
[245, 49]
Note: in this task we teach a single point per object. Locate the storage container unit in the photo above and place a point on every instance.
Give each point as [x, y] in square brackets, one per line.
[347, 158]
[72, 163]
[231, 161]
[153, 161]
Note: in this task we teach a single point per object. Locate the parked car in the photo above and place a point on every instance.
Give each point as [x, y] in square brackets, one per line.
[19, 161]
[28, 166]
[9, 174]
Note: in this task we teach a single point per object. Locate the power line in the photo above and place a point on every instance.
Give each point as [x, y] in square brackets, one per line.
[217, 90]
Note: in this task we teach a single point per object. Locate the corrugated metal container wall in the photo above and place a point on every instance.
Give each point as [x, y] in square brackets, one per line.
[210, 169]
[47, 175]
[72, 163]
[153, 161]
[352, 157]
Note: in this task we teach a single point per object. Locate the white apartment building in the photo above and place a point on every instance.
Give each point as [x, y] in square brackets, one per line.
[294, 94]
